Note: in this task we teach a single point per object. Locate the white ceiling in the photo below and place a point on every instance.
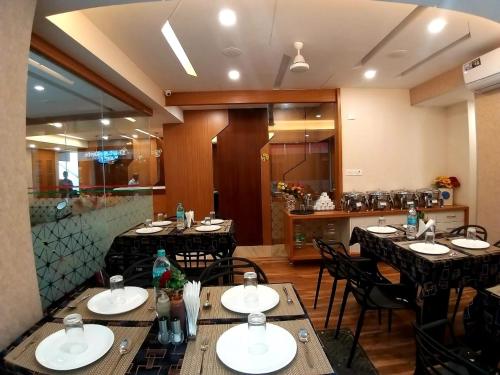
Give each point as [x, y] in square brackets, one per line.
[337, 34]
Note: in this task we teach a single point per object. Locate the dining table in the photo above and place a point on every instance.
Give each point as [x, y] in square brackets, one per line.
[433, 276]
[148, 356]
[130, 247]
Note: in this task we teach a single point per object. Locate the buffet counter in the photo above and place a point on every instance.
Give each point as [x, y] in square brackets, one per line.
[446, 218]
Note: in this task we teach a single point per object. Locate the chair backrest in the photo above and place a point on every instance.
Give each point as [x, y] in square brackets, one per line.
[229, 271]
[435, 359]
[481, 232]
[329, 255]
[497, 244]
[360, 282]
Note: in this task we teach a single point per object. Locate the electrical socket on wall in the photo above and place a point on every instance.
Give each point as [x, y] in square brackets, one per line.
[354, 172]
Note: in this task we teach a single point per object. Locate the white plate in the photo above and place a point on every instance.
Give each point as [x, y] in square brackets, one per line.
[214, 221]
[470, 244]
[207, 228]
[233, 299]
[233, 352]
[424, 248]
[101, 303]
[148, 230]
[48, 353]
[161, 223]
[382, 230]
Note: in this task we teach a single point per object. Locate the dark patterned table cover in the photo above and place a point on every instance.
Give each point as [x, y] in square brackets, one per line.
[130, 247]
[443, 273]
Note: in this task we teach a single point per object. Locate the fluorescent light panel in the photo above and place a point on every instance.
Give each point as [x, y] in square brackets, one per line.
[126, 136]
[131, 119]
[50, 72]
[56, 124]
[176, 46]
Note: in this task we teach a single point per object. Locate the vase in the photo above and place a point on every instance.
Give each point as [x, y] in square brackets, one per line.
[446, 196]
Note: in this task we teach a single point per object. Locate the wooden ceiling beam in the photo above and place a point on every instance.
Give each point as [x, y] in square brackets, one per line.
[250, 97]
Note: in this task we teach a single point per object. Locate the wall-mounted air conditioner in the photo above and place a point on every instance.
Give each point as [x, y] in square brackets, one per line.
[483, 73]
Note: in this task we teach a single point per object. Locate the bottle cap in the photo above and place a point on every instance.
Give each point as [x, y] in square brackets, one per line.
[161, 253]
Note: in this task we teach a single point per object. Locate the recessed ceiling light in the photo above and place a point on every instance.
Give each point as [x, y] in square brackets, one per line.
[105, 137]
[370, 73]
[135, 136]
[318, 116]
[131, 119]
[234, 75]
[227, 17]
[39, 87]
[307, 135]
[436, 25]
[176, 46]
[105, 121]
[32, 145]
[57, 148]
[56, 124]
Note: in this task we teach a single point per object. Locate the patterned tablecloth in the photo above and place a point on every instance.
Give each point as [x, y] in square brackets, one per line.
[130, 247]
[433, 273]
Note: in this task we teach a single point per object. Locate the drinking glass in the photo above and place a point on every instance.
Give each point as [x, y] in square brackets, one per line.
[74, 342]
[429, 237]
[207, 221]
[148, 223]
[251, 296]
[117, 288]
[471, 233]
[161, 217]
[212, 215]
[257, 334]
[381, 221]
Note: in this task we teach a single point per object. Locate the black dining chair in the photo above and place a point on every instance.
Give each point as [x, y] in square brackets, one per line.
[436, 358]
[482, 234]
[329, 262]
[226, 271]
[370, 294]
[497, 244]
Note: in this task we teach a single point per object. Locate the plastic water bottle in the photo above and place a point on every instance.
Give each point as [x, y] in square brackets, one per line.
[181, 224]
[411, 229]
[160, 266]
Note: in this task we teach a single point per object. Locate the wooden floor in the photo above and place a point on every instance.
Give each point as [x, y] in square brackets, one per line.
[391, 353]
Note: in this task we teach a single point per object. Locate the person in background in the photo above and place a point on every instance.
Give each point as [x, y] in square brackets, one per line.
[65, 185]
[134, 180]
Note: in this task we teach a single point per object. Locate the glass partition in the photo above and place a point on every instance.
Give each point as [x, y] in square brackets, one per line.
[91, 163]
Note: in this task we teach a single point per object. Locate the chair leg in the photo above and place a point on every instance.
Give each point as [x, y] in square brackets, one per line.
[330, 303]
[457, 305]
[318, 285]
[342, 309]
[389, 323]
[356, 336]
[379, 316]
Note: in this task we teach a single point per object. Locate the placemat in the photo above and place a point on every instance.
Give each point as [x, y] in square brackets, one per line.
[452, 254]
[219, 312]
[224, 228]
[24, 354]
[213, 366]
[472, 252]
[140, 314]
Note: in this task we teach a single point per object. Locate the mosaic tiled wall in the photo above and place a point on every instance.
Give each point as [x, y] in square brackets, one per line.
[71, 250]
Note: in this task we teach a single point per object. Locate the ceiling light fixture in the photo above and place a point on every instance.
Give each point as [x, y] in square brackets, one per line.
[105, 121]
[126, 136]
[71, 136]
[370, 73]
[318, 115]
[234, 75]
[39, 87]
[105, 137]
[56, 124]
[131, 119]
[227, 17]
[176, 46]
[145, 132]
[436, 25]
[50, 72]
[135, 136]
[128, 143]
[57, 148]
[307, 135]
[31, 145]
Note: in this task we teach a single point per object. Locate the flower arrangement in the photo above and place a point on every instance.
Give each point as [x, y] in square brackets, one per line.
[296, 190]
[172, 280]
[446, 182]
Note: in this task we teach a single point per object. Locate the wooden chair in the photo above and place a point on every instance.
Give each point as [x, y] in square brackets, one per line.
[223, 271]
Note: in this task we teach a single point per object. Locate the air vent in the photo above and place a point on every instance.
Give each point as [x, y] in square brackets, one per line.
[231, 51]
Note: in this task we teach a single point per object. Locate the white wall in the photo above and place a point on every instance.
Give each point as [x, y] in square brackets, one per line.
[396, 145]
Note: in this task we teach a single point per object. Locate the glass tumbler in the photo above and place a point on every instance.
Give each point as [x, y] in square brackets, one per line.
[148, 223]
[161, 217]
[250, 295]
[207, 221]
[471, 233]
[212, 215]
[117, 288]
[429, 237]
[381, 221]
[257, 344]
[74, 342]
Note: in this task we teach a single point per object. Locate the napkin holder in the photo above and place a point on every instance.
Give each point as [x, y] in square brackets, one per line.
[423, 227]
[189, 219]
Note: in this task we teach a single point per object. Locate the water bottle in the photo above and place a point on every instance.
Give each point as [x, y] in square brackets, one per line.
[160, 266]
[411, 229]
[181, 224]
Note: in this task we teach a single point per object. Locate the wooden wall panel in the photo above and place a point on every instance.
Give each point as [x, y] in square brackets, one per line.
[238, 155]
[188, 160]
[44, 171]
